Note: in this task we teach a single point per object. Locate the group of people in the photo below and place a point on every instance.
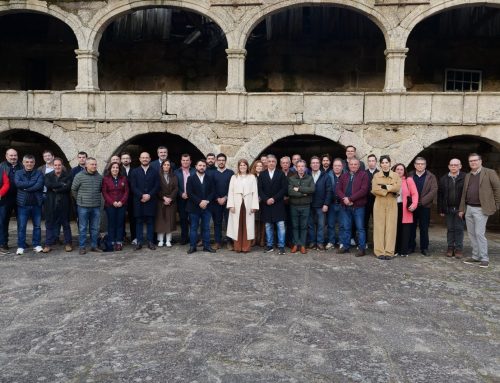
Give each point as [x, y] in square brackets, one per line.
[322, 205]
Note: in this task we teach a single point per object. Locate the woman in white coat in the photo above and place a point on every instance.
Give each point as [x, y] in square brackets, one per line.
[242, 202]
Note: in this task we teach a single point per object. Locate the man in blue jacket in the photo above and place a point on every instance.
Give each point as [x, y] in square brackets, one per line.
[201, 192]
[29, 183]
[145, 184]
[319, 205]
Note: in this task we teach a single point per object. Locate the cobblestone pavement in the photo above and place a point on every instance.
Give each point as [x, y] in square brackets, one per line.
[165, 316]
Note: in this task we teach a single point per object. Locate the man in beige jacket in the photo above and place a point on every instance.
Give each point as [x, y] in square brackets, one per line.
[480, 199]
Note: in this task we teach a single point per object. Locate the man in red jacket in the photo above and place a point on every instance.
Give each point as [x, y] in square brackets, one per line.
[352, 190]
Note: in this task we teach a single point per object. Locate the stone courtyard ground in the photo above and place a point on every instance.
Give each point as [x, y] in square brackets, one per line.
[165, 316]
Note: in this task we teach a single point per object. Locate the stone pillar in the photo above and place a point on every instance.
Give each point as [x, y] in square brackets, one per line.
[236, 70]
[87, 70]
[395, 70]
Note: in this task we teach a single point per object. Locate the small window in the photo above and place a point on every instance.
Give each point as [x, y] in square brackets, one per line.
[462, 80]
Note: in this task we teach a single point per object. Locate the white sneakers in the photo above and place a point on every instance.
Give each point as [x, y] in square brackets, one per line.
[168, 244]
[38, 249]
[160, 244]
[20, 251]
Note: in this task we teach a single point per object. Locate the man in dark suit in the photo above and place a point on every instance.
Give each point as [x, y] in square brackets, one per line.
[126, 170]
[145, 184]
[273, 187]
[372, 169]
[201, 192]
[183, 173]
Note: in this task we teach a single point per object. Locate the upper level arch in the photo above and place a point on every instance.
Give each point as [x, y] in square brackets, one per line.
[419, 14]
[69, 19]
[108, 14]
[253, 19]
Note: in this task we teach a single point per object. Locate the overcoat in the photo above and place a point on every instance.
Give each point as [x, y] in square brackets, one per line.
[275, 188]
[144, 182]
[166, 214]
[58, 200]
[242, 189]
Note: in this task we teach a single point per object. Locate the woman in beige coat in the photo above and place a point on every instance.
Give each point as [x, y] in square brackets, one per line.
[386, 185]
[242, 202]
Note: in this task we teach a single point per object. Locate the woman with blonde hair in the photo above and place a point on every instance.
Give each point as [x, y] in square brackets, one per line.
[242, 202]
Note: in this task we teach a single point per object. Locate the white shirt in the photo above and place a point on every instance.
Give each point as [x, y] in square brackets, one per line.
[271, 173]
[201, 177]
[316, 176]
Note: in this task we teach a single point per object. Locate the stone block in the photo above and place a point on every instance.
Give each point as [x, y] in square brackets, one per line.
[416, 108]
[330, 131]
[13, 104]
[375, 107]
[192, 106]
[138, 106]
[385, 136]
[469, 112]
[274, 108]
[447, 108]
[231, 107]
[46, 105]
[488, 108]
[334, 107]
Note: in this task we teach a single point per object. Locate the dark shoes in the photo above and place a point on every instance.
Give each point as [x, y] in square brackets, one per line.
[342, 250]
[269, 249]
[281, 251]
[459, 254]
[384, 258]
[151, 246]
[95, 250]
[209, 250]
[320, 248]
[191, 250]
[361, 253]
[82, 251]
[449, 252]
[138, 247]
[425, 253]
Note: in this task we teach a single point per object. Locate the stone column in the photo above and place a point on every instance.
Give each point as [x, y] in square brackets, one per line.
[236, 70]
[395, 70]
[87, 70]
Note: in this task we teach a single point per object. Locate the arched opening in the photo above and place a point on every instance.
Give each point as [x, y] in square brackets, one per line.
[29, 142]
[455, 50]
[38, 53]
[439, 154]
[164, 49]
[306, 145]
[317, 48]
[149, 142]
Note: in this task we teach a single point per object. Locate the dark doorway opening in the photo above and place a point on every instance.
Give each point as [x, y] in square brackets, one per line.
[149, 142]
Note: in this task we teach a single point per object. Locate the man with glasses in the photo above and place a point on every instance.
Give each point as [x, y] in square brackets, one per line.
[427, 188]
[480, 199]
[449, 196]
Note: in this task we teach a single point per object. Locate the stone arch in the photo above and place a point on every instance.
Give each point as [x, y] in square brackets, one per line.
[270, 135]
[191, 136]
[106, 15]
[250, 22]
[419, 13]
[71, 20]
[35, 137]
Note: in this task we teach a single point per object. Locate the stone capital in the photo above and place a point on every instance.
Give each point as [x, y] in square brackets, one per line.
[236, 53]
[86, 54]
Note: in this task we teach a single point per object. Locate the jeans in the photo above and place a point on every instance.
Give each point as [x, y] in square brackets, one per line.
[316, 226]
[281, 233]
[195, 218]
[220, 215]
[5, 214]
[88, 217]
[54, 228]
[116, 223]
[353, 216]
[455, 231]
[139, 228]
[300, 217]
[476, 228]
[422, 218]
[23, 214]
[334, 217]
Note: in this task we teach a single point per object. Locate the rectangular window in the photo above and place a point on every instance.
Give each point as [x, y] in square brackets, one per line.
[462, 80]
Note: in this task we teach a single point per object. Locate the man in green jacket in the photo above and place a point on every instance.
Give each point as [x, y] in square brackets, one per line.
[300, 190]
[86, 189]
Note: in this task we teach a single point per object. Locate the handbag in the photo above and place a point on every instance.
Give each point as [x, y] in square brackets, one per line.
[409, 200]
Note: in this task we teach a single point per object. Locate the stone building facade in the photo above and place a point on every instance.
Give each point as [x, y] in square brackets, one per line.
[379, 116]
